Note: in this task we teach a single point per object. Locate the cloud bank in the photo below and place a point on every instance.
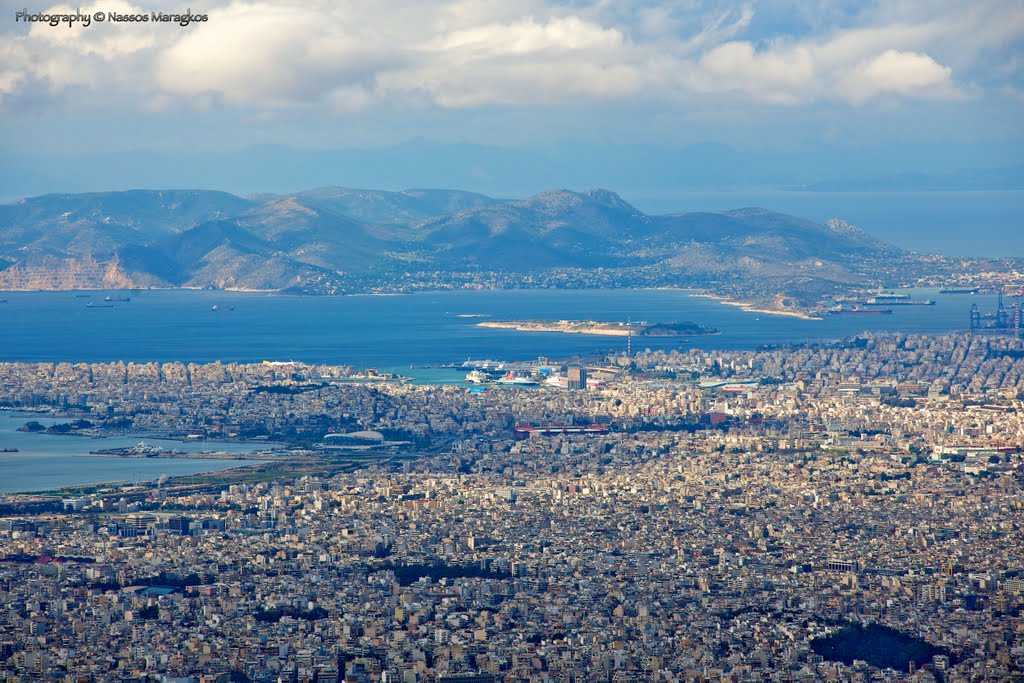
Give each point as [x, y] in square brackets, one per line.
[358, 56]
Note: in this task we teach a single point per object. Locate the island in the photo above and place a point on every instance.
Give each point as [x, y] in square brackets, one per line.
[608, 329]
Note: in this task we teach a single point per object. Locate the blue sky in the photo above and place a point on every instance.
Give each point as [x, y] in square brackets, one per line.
[805, 91]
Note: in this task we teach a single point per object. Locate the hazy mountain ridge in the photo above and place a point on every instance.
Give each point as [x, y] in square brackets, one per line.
[331, 240]
[969, 179]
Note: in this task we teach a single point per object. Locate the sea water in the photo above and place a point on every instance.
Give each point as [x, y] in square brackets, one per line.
[396, 332]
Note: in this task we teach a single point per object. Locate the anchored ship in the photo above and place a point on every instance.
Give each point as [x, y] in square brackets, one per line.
[893, 299]
[857, 310]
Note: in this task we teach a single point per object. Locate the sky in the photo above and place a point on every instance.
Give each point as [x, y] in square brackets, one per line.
[507, 97]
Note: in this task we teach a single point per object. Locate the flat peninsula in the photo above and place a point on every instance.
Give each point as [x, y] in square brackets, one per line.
[607, 329]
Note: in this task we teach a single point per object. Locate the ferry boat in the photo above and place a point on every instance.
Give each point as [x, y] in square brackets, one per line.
[477, 377]
[493, 365]
[513, 379]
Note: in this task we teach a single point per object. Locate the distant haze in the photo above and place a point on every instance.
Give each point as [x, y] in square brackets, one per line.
[516, 171]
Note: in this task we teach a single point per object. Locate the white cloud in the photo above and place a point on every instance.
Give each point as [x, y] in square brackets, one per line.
[354, 56]
[11, 77]
[897, 72]
[528, 61]
[107, 40]
[783, 75]
[529, 36]
[270, 55]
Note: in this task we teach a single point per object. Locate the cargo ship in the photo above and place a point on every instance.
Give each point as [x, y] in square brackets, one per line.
[118, 299]
[896, 300]
[857, 310]
[890, 297]
[960, 290]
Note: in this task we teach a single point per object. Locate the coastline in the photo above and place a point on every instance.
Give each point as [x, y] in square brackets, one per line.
[217, 455]
[597, 328]
[750, 307]
[562, 327]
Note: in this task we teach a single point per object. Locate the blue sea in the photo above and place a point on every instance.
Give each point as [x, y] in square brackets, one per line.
[396, 332]
[48, 461]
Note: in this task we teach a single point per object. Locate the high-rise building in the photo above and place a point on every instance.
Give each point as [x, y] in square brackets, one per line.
[577, 379]
[139, 521]
[179, 525]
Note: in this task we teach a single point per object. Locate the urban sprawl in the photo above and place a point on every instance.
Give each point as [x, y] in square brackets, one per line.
[741, 514]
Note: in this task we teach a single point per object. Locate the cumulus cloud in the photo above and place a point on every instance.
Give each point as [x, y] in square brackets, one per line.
[271, 55]
[897, 72]
[529, 36]
[107, 41]
[784, 75]
[522, 61]
[50, 60]
[352, 57]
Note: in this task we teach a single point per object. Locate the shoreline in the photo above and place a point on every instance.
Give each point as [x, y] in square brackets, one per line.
[749, 307]
[556, 327]
[213, 455]
[597, 328]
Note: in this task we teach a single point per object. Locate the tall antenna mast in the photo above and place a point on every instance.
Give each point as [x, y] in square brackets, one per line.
[629, 337]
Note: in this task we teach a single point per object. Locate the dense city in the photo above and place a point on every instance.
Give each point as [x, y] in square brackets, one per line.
[849, 511]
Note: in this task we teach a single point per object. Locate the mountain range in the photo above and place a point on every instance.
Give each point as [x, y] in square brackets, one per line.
[637, 169]
[341, 240]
